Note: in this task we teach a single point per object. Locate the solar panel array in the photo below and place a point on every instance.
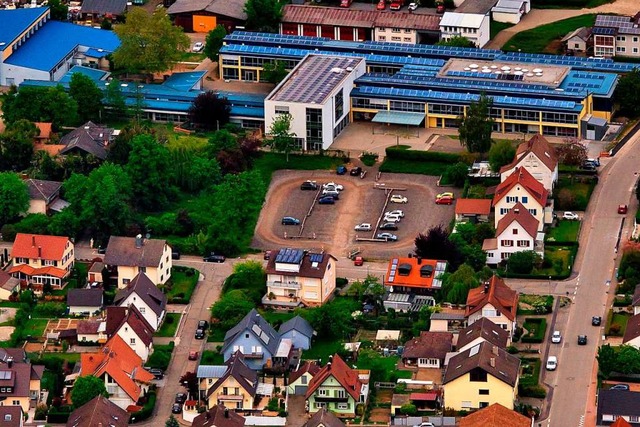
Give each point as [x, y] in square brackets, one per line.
[393, 270]
[603, 31]
[624, 24]
[289, 256]
[474, 74]
[5, 375]
[316, 258]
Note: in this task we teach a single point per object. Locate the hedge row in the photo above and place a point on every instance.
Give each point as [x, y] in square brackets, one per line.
[147, 409]
[429, 156]
[541, 328]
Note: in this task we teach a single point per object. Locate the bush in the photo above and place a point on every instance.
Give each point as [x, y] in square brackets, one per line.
[532, 391]
[49, 309]
[146, 410]
[536, 329]
[341, 282]
[161, 356]
[429, 156]
[522, 262]
[369, 159]
[456, 174]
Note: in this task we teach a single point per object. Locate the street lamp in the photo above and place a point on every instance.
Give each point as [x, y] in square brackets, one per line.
[549, 284]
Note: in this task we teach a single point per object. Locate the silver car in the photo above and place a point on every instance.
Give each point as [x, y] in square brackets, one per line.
[365, 226]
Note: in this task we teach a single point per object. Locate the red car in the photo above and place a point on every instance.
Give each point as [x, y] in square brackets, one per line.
[193, 355]
[444, 201]
[358, 261]
[382, 5]
[622, 209]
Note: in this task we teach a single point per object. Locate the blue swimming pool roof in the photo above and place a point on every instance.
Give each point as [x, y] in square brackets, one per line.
[15, 22]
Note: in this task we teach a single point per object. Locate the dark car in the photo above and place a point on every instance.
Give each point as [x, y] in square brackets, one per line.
[157, 373]
[175, 254]
[355, 171]
[180, 398]
[620, 387]
[388, 226]
[582, 340]
[102, 250]
[596, 320]
[327, 200]
[176, 408]
[341, 170]
[309, 185]
[288, 220]
[199, 334]
[203, 324]
[212, 257]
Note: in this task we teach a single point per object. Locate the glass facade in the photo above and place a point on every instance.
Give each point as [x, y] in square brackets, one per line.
[314, 129]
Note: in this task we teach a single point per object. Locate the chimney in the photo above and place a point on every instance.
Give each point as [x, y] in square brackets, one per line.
[516, 210]
[486, 287]
[328, 366]
[39, 251]
[226, 413]
[10, 362]
[419, 260]
[33, 241]
[492, 362]
[494, 350]
[410, 255]
[139, 241]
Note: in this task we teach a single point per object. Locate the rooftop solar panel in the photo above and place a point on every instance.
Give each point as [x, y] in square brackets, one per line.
[289, 256]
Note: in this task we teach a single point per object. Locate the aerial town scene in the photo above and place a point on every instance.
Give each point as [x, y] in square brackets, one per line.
[320, 213]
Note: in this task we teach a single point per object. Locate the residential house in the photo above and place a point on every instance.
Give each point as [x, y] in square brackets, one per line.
[539, 158]
[88, 139]
[99, 411]
[255, 338]
[132, 327]
[386, 338]
[299, 331]
[8, 285]
[495, 415]
[337, 388]
[94, 331]
[203, 17]
[236, 388]
[44, 133]
[517, 231]
[621, 422]
[137, 255]
[483, 330]
[40, 259]
[300, 378]
[616, 35]
[522, 187]
[121, 369]
[208, 375]
[323, 418]
[146, 297]
[298, 278]
[632, 332]
[11, 416]
[495, 301]
[94, 274]
[218, 416]
[480, 376]
[473, 210]
[635, 301]
[451, 320]
[411, 282]
[44, 196]
[510, 11]
[473, 26]
[577, 40]
[84, 301]
[20, 383]
[616, 404]
[428, 350]
[97, 10]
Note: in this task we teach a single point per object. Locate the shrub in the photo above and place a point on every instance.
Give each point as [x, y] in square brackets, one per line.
[341, 282]
[429, 156]
[536, 329]
[532, 391]
[456, 174]
[615, 329]
[146, 410]
[369, 159]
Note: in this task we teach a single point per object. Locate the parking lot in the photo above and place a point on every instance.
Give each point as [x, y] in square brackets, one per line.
[331, 227]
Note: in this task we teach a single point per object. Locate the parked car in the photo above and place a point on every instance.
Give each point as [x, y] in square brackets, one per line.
[180, 398]
[212, 257]
[412, 7]
[387, 236]
[446, 194]
[355, 171]
[332, 186]
[193, 355]
[388, 226]
[175, 254]
[365, 226]
[329, 192]
[556, 337]
[309, 185]
[176, 408]
[620, 387]
[199, 334]
[586, 166]
[288, 220]
[358, 261]
[157, 373]
[570, 216]
[382, 5]
[203, 324]
[424, 424]
[391, 218]
[595, 161]
[596, 320]
[582, 340]
[328, 200]
[395, 5]
[622, 209]
[396, 212]
[341, 170]
[198, 46]
[102, 250]
[444, 201]
[552, 363]
[397, 198]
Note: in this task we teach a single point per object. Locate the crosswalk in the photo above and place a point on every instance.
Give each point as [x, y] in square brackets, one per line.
[581, 422]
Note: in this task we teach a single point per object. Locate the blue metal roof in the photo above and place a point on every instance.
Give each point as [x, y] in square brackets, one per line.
[244, 98]
[15, 22]
[97, 53]
[253, 112]
[55, 40]
[184, 81]
[598, 84]
[93, 73]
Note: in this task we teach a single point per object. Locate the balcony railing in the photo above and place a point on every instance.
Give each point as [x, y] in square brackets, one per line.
[284, 285]
[253, 355]
[331, 398]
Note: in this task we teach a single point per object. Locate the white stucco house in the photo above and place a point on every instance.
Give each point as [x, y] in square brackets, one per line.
[146, 297]
[495, 301]
[510, 11]
[539, 158]
[473, 26]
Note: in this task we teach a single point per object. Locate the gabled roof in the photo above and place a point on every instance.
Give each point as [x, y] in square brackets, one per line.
[99, 411]
[308, 268]
[104, 7]
[122, 364]
[123, 251]
[26, 246]
[522, 216]
[618, 402]
[231, 8]
[144, 288]
[7, 282]
[117, 317]
[496, 293]
[11, 416]
[254, 323]
[90, 137]
[429, 344]
[583, 33]
[495, 415]
[311, 367]
[633, 329]
[88, 327]
[621, 422]
[473, 207]
[17, 376]
[636, 297]
[84, 298]
[488, 358]
[246, 377]
[485, 329]
[298, 324]
[323, 418]
[218, 416]
[338, 369]
[43, 190]
[522, 177]
[539, 147]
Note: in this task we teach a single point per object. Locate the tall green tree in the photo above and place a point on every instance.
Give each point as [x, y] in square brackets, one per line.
[500, 154]
[40, 104]
[16, 145]
[149, 169]
[231, 308]
[475, 127]
[607, 359]
[281, 139]
[626, 93]
[88, 97]
[263, 15]
[14, 195]
[456, 285]
[210, 111]
[59, 10]
[86, 388]
[114, 100]
[274, 71]
[149, 42]
[214, 41]
[457, 41]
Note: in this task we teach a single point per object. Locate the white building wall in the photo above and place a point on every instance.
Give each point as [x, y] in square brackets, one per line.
[479, 34]
[514, 233]
[503, 206]
[396, 35]
[20, 74]
[133, 340]
[511, 18]
[148, 314]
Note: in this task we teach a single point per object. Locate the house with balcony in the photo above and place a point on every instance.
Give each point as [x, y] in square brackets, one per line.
[481, 376]
[297, 278]
[131, 256]
[41, 260]
[517, 231]
[493, 300]
[539, 158]
[132, 327]
[616, 35]
[142, 293]
[336, 388]
[236, 388]
[410, 283]
[483, 330]
[428, 350]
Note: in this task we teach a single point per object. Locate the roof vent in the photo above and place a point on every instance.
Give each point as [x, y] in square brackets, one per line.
[404, 269]
[337, 70]
[426, 271]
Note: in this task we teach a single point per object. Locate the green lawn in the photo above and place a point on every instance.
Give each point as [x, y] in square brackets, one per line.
[578, 192]
[269, 162]
[210, 357]
[620, 319]
[69, 357]
[322, 350]
[183, 283]
[557, 260]
[385, 367]
[169, 326]
[537, 39]
[36, 326]
[496, 27]
[413, 166]
[568, 4]
[192, 57]
[216, 334]
[565, 231]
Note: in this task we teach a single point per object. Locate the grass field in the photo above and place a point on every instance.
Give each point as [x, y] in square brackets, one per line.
[538, 39]
[496, 27]
[169, 326]
[558, 259]
[620, 319]
[268, 163]
[210, 357]
[413, 166]
[565, 231]
[322, 350]
[36, 326]
[570, 4]
[183, 283]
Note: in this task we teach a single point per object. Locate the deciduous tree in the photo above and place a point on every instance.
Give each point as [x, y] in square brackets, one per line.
[571, 152]
[114, 100]
[231, 308]
[214, 41]
[88, 97]
[150, 172]
[16, 145]
[475, 127]
[500, 154]
[263, 15]
[456, 285]
[436, 245]
[14, 197]
[281, 139]
[209, 111]
[522, 262]
[59, 10]
[172, 422]
[40, 104]
[457, 41]
[86, 388]
[626, 93]
[606, 359]
[274, 71]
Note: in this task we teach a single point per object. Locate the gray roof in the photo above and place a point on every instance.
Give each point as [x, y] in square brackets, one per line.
[123, 251]
[617, 402]
[89, 138]
[145, 289]
[583, 33]
[99, 411]
[8, 282]
[509, 6]
[113, 7]
[211, 371]
[244, 376]
[485, 329]
[486, 357]
[231, 8]
[324, 418]
[447, 316]
[480, 7]
[636, 296]
[218, 416]
[259, 327]
[298, 324]
[43, 190]
[84, 298]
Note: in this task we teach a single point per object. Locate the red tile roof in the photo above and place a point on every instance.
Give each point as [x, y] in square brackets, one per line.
[632, 330]
[522, 216]
[429, 345]
[495, 415]
[311, 367]
[621, 422]
[27, 270]
[45, 130]
[473, 206]
[413, 279]
[496, 293]
[424, 397]
[27, 245]
[338, 369]
[521, 176]
[540, 147]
